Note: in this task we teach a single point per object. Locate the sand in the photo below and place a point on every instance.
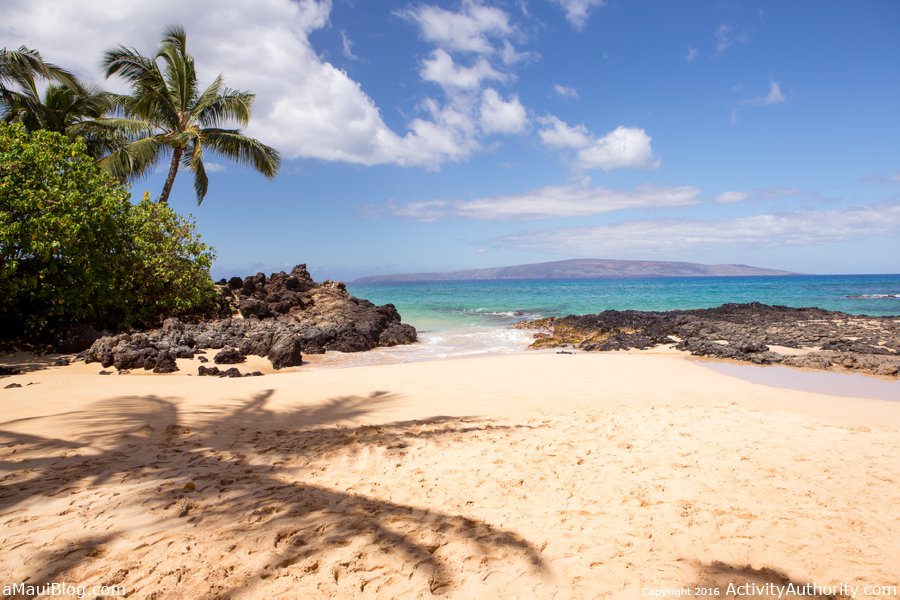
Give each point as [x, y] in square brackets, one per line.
[523, 476]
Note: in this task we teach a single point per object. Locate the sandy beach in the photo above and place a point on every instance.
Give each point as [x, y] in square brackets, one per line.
[614, 475]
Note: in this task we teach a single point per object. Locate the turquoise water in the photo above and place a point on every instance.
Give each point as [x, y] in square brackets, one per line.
[453, 305]
[470, 318]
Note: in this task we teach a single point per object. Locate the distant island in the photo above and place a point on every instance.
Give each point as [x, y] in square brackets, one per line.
[583, 268]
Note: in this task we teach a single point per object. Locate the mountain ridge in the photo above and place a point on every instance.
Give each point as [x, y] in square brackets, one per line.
[582, 268]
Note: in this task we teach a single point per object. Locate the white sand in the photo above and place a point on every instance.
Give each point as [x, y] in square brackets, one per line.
[524, 476]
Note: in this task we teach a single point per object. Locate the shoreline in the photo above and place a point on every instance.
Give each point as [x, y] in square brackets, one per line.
[28, 363]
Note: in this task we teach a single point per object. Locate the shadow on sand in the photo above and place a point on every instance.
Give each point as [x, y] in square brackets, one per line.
[24, 362]
[242, 470]
[758, 584]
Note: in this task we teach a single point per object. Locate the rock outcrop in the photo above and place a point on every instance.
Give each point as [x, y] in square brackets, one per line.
[758, 333]
[278, 317]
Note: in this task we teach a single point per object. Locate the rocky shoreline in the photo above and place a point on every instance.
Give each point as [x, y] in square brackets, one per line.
[754, 332]
[278, 317]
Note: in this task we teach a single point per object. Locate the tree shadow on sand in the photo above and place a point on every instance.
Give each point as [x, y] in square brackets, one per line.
[18, 363]
[242, 470]
[759, 584]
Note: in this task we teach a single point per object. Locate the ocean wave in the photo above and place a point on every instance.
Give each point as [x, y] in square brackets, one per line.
[514, 315]
[873, 296]
[448, 343]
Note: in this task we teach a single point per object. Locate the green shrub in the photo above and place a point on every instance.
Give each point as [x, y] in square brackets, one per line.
[167, 273]
[74, 249]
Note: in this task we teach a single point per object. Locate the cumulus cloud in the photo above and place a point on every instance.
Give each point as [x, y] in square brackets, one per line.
[470, 30]
[474, 46]
[662, 235]
[577, 11]
[501, 116]
[441, 69]
[552, 201]
[556, 133]
[624, 147]
[305, 107]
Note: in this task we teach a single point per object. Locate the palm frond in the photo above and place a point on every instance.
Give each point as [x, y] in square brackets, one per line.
[181, 76]
[130, 128]
[195, 164]
[230, 105]
[134, 159]
[175, 35]
[244, 150]
[25, 60]
[131, 65]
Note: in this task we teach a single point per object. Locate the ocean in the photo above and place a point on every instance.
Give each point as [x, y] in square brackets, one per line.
[464, 318]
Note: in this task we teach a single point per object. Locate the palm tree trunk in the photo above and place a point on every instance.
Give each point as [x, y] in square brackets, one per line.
[170, 180]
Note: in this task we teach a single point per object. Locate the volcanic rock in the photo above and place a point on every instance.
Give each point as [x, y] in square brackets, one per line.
[819, 339]
[229, 356]
[278, 316]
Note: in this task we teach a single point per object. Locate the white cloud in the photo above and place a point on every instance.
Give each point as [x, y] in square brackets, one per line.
[473, 47]
[732, 197]
[556, 133]
[772, 193]
[510, 56]
[441, 69]
[624, 147]
[728, 35]
[214, 167]
[425, 211]
[305, 106]
[552, 201]
[469, 30]
[577, 11]
[662, 235]
[773, 97]
[347, 47]
[501, 116]
[692, 54]
[565, 91]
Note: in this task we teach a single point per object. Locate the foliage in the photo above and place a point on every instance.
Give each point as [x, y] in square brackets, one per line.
[67, 106]
[74, 249]
[169, 271]
[18, 69]
[167, 112]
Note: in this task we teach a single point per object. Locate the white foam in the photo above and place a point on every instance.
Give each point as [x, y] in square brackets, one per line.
[432, 345]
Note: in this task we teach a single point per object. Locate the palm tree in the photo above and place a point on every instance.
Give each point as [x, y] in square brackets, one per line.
[167, 112]
[68, 106]
[19, 71]
[26, 63]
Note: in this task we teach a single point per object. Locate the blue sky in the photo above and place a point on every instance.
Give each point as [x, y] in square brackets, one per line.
[447, 135]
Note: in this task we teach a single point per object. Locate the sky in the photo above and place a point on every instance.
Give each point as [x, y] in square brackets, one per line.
[432, 136]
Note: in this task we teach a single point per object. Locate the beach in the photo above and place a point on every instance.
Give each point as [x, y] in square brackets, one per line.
[538, 475]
